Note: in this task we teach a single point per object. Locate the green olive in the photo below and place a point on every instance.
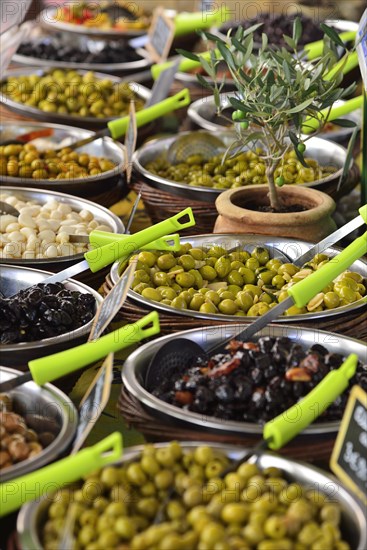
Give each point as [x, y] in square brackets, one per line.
[151, 294]
[186, 280]
[187, 262]
[228, 307]
[208, 273]
[160, 278]
[147, 257]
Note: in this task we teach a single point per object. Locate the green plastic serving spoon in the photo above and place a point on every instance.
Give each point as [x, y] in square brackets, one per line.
[100, 238]
[100, 257]
[117, 128]
[49, 368]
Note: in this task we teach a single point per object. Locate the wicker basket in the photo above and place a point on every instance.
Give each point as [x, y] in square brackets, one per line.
[308, 448]
[161, 205]
[352, 324]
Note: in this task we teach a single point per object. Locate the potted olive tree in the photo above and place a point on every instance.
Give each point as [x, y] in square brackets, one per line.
[277, 91]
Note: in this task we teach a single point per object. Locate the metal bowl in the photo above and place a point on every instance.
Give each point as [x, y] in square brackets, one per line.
[101, 214]
[48, 409]
[16, 278]
[341, 25]
[322, 150]
[277, 246]
[103, 147]
[37, 35]
[203, 113]
[32, 516]
[48, 20]
[136, 365]
[25, 110]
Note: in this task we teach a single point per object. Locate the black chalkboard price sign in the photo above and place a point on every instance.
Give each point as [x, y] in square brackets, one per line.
[160, 36]
[349, 457]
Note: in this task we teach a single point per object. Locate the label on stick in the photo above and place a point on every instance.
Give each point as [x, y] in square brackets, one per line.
[160, 34]
[94, 402]
[130, 141]
[348, 460]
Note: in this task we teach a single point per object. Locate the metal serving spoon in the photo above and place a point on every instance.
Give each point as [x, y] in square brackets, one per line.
[196, 143]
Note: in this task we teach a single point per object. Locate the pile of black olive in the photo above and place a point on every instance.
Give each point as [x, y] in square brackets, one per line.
[58, 50]
[254, 382]
[275, 25]
[43, 311]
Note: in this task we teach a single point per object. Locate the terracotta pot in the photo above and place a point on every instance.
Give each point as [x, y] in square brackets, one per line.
[236, 216]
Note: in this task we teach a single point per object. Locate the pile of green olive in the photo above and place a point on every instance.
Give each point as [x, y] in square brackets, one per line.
[26, 161]
[212, 280]
[247, 168]
[69, 92]
[246, 509]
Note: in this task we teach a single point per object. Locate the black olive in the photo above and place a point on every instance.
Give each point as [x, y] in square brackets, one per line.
[225, 393]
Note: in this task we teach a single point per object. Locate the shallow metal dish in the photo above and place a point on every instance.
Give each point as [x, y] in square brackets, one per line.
[62, 118]
[292, 248]
[33, 515]
[324, 151]
[15, 278]
[105, 147]
[100, 213]
[203, 113]
[48, 20]
[37, 34]
[50, 410]
[135, 367]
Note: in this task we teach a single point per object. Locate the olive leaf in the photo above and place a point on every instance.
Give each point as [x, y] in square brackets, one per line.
[332, 34]
[203, 82]
[297, 30]
[344, 122]
[189, 55]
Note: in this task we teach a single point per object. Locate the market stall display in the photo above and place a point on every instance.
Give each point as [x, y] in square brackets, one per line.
[242, 345]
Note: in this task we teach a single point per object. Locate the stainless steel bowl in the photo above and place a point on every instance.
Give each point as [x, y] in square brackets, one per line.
[16, 278]
[203, 113]
[136, 365]
[341, 25]
[63, 118]
[79, 41]
[32, 516]
[291, 248]
[101, 214]
[105, 147]
[47, 409]
[325, 152]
